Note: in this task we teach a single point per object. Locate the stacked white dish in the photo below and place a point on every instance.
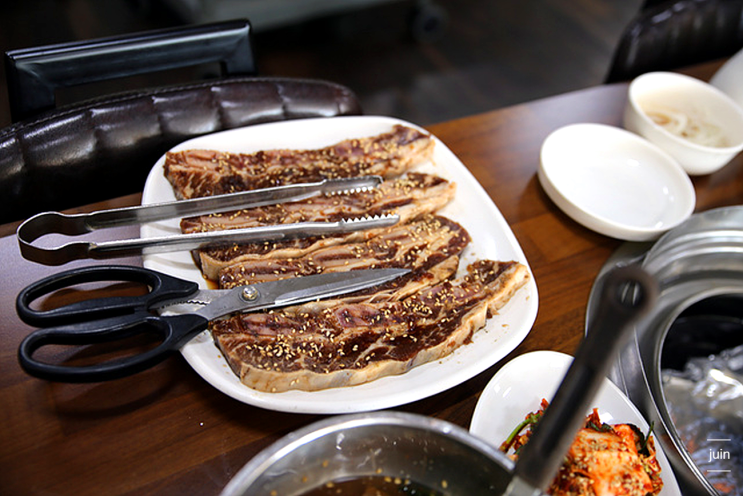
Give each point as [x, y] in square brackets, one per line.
[635, 185]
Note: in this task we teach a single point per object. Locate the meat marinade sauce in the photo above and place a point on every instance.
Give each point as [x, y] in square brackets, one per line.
[377, 485]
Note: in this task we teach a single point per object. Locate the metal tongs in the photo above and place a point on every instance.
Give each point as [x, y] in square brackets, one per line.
[47, 223]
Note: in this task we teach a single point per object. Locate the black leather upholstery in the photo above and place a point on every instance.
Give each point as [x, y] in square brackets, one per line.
[57, 158]
[105, 148]
[677, 33]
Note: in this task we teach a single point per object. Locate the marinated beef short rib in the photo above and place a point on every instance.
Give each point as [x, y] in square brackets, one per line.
[197, 173]
[414, 282]
[422, 243]
[352, 344]
[412, 196]
[430, 247]
[403, 195]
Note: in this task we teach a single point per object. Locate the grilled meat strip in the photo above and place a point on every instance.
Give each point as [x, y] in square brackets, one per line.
[401, 195]
[409, 197]
[352, 344]
[430, 247]
[414, 282]
[421, 243]
[196, 173]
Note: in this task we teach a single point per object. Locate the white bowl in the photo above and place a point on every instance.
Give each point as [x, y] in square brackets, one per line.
[614, 182]
[686, 102]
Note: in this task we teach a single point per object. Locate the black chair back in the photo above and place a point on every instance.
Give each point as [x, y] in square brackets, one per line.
[58, 158]
[673, 34]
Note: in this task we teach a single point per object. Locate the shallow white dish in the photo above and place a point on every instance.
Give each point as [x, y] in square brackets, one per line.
[519, 386]
[614, 182]
[472, 207]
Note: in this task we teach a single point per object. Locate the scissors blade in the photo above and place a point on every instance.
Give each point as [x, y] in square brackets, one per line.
[296, 290]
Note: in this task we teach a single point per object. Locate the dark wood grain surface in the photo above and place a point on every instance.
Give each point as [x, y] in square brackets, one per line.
[166, 431]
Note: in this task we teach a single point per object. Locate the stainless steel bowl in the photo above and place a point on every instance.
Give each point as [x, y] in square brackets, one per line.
[699, 260]
[433, 453]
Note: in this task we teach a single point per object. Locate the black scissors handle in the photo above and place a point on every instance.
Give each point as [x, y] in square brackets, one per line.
[172, 331]
[105, 320]
[162, 287]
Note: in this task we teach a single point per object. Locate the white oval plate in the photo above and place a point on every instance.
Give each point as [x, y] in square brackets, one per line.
[614, 182]
[519, 386]
[472, 208]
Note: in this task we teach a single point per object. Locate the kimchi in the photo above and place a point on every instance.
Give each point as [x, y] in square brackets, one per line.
[603, 459]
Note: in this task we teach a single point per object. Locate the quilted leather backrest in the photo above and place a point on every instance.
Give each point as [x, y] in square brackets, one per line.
[105, 148]
[675, 34]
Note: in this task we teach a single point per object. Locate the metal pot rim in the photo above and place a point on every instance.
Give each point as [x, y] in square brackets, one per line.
[329, 426]
[699, 259]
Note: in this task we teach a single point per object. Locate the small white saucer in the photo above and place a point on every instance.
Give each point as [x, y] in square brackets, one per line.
[615, 182]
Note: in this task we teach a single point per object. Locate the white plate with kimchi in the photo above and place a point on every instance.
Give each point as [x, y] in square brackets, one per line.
[472, 208]
[519, 387]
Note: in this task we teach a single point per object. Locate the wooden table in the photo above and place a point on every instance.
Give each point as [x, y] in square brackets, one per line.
[166, 431]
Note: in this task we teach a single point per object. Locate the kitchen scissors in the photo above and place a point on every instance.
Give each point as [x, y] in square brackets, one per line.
[185, 310]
